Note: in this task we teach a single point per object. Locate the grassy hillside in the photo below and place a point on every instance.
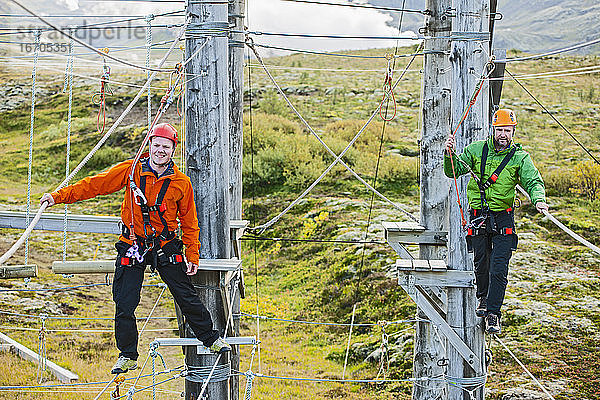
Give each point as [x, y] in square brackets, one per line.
[551, 316]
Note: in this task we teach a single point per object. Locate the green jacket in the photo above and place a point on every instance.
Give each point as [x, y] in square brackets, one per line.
[501, 194]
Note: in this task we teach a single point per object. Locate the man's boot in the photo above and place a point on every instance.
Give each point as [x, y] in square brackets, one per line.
[492, 324]
[481, 307]
[123, 365]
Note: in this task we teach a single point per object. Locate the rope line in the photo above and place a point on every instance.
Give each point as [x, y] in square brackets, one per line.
[327, 54]
[338, 158]
[364, 324]
[524, 367]
[291, 378]
[564, 128]
[76, 384]
[69, 83]
[360, 5]
[60, 317]
[97, 51]
[564, 227]
[31, 129]
[249, 236]
[62, 288]
[565, 49]
[43, 207]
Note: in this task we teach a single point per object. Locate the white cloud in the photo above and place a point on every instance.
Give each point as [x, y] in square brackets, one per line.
[282, 16]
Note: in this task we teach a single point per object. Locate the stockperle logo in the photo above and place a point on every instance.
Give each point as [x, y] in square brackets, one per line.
[88, 33]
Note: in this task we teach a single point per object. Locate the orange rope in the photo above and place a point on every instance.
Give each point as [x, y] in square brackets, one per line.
[472, 101]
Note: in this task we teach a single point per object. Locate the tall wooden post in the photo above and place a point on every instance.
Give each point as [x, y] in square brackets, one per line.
[207, 135]
[236, 139]
[429, 351]
[468, 58]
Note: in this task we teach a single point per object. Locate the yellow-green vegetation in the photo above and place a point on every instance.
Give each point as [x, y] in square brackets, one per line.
[551, 314]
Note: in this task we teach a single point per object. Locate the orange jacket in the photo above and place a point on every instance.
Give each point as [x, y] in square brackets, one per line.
[179, 200]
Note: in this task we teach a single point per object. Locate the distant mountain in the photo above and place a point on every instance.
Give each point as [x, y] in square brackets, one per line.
[527, 25]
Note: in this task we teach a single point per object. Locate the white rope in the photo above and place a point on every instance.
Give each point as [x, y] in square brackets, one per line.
[69, 81]
[149, 19]
[349, 338]
[563, 227]
[104, 138]
[229, 319]
[38, 33]
[84, 44]
[132, 387]
[523, 366]
[338, 158]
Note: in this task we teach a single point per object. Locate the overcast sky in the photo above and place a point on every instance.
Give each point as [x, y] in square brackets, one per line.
[264, 15]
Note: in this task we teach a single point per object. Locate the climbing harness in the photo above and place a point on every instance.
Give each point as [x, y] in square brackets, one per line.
[151, 239]
[99, 98]
[487, 71]
[137, 195]
[388, 91]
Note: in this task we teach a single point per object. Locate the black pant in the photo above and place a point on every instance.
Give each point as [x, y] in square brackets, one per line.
[126, 295]
[492, 248]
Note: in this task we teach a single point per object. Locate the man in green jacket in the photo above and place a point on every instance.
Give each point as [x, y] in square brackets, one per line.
[496, 166]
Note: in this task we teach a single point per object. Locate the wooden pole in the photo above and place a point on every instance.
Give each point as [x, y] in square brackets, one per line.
[207, 160]
[429, 350]
[236, 139]
[468, 58]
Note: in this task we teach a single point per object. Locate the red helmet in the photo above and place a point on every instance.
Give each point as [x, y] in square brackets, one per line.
[165, 130]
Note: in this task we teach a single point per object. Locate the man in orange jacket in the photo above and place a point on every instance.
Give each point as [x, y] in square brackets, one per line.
[163, 195]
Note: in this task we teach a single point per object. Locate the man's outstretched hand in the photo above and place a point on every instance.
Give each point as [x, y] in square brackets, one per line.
[47, 198]
[541, 206]
[191, 268]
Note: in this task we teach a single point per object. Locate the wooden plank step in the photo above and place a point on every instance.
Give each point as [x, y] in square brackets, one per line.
[411, 233]
[62, 374]
[108, 266]
[421, 265]
[447, 278]
[201, 349]
[18, 271]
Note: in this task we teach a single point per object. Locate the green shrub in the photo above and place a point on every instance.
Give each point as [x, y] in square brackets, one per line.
[587, 179]
[106, 157]
[558, 180]
[281, 152]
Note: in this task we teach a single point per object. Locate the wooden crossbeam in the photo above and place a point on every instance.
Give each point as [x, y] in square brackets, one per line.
[61, 373]
[461, 347]
[55, 222]
[411, 233]
[201, 349]
[18, 271]
[108, 266]
[86, 223]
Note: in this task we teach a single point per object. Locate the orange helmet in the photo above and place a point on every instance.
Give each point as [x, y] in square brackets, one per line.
[165, 130]
[504, 117]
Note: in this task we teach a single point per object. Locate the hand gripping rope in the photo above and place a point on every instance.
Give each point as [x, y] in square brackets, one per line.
[388, 91]
[487, 70]
[99, 98]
